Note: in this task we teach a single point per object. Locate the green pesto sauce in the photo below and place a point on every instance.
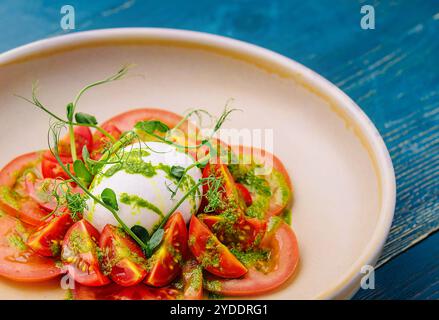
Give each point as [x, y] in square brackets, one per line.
[251, 258]
[17, 242]
[9, 196]
[264, 188]
[137, 202]
[212, 285]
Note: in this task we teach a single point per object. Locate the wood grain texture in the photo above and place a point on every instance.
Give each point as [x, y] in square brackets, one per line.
[392, 72]
[412, 275]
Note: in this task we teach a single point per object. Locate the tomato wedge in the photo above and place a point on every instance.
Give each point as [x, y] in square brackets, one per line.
[14, 199]
[114, 291]
[245, 194]
[284, 258]
[51, 168]
[123, 259]
[46, 240]
[165, 263]
[211, 253]
[192, 274]
[83, 138]
[100, 141]
[17, 261]
[228, 191]
[270, 187]
[242, 233]
[80, 254]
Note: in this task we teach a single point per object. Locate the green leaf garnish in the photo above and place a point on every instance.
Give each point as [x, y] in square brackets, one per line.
[141, 232]
[109, 198]
[177, 171]
[81, 171]
[156, 239]
[85, 118]
[152, 126]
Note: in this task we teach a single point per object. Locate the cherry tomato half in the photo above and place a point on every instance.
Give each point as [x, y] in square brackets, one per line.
[123, 259]
[284, 260]
[46, 240]
[80, 254]
[211, 253]
[165, 263]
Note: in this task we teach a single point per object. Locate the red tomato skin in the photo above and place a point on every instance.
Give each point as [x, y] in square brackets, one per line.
[166, 265]
[99, 140]
[49, 233]
[246, 232]
[245, 194]
[22, 265]
[51, 168]
[83, 138]
[228, 265]
[27, 210]
[286, 257]
[114, 291]
[125, 272]
[73, 260]
[228, 191]
[274, 162]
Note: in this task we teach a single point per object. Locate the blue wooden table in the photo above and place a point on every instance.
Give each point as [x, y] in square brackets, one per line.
[392, 72]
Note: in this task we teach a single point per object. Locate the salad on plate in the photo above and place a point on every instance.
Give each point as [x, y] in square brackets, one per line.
[146, 205]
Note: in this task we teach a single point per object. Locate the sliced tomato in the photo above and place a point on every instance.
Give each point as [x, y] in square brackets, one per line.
[192, 275]
[100, 141]
[245, 194]
[273, 173]
[14, 199]
[114, 291]
[17, 261]
[46, 240]
[123, 259]
[83, 138]
[165, 263]
[284, 259]
[51, 168]
[80, 254]
[211, 253]
[243, 233]
[127, 120]
[228, 191]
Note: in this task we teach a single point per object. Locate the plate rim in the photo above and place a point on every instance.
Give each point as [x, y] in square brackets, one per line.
[342, 104]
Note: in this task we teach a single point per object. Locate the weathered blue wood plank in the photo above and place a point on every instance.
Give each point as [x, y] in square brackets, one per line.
[412, 275]
[392, 72]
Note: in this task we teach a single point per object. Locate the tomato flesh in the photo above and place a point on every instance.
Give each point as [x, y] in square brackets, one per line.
[245, 194]
[192, 274]
[80, 254]
[17, 261]
[114, 291]
[284, 260]
[100, 142]
[46, 240]
[242, 234]
[83, 138]
[211, 253]
[123, 258]
[165, 263]
[14, 199]
[273, 172]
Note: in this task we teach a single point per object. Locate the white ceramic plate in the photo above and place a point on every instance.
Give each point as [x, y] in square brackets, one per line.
[341, 171]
